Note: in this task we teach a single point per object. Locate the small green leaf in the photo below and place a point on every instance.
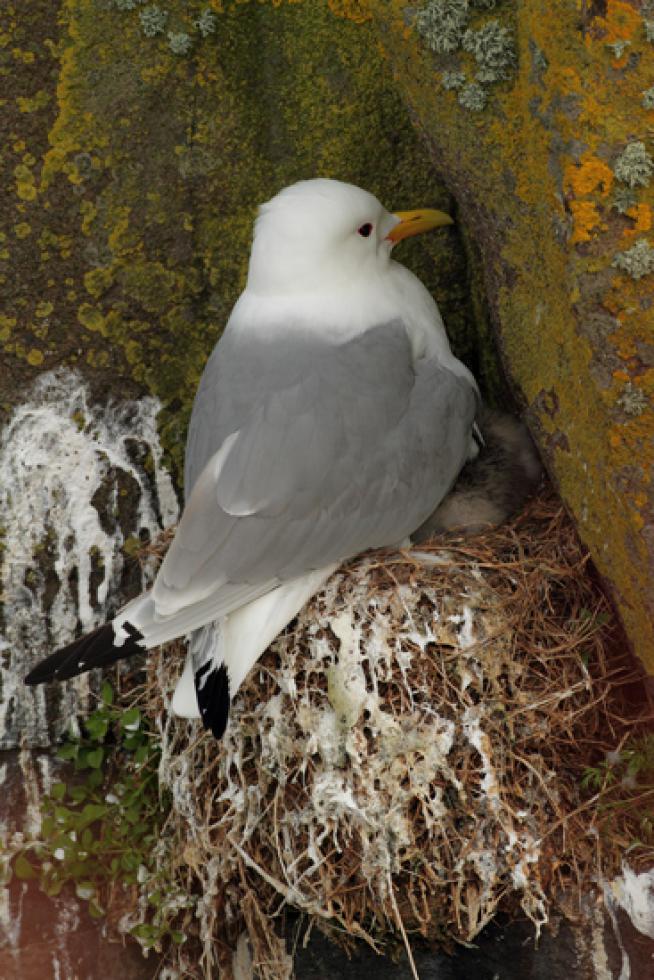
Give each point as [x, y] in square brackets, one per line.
[23, 869]
[145, 932]
[95, 778]
[68, 751]
[91, 813]
[129, 862]
[131, 720]
[79, 870]
[58, 791]
[107, 693]
[53, 887]
[48, 826]
[95, 757]
[97, 726]
[95, 911]
[60, 840]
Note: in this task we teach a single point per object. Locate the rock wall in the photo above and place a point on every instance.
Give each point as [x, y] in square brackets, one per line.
[539, 116]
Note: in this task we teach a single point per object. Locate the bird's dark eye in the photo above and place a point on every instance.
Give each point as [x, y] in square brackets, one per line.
[365, 230]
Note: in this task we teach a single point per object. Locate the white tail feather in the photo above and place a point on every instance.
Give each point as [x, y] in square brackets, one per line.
[239, 639]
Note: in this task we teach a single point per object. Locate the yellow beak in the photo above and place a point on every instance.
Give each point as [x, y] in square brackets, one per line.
[415, 222]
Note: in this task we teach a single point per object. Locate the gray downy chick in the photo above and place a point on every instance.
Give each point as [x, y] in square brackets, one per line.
[494, 485]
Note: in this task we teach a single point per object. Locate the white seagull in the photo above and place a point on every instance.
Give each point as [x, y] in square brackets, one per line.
[331, 417]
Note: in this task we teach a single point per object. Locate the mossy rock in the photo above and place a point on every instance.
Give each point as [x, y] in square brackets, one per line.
[553, 182]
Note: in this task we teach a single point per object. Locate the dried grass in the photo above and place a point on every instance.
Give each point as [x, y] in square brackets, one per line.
[408, 755]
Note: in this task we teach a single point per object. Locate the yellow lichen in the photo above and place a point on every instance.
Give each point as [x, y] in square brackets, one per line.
[98, 359]
[43, 309]
[97, 281]
[88, 211]
[25, 187]
[91, 317]
[35, 357]
[34, 103]
[7, 324]
[26, 57]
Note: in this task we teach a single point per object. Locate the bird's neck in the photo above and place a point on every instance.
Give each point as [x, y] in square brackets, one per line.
[344, 310]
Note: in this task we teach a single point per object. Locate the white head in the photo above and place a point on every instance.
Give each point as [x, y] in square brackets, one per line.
[322, 232]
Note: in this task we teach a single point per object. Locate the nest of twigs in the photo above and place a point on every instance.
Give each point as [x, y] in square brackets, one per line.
[410, 755]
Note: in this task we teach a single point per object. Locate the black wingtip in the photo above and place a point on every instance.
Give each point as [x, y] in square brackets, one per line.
[212, 689]
[95, 649]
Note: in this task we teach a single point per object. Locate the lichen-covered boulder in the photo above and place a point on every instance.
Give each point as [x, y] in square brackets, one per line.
[539, 116]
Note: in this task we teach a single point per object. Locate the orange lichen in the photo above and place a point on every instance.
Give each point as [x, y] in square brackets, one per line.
[551, 136]
[586, 219]
[642, 215]
[590, 175]
[621, 61]
[354, 10]
[621, 22]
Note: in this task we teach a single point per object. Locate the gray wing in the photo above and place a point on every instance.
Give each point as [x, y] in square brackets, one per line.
[303, 452]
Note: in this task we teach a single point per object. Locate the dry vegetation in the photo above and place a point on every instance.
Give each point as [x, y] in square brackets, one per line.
[413, 753]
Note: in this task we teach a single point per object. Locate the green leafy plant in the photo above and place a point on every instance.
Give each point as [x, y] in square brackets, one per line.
[624, 780]
[101, 830]
[633, 763]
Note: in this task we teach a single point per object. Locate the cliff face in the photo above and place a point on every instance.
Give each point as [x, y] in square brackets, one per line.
[137, 140]
[539, 116]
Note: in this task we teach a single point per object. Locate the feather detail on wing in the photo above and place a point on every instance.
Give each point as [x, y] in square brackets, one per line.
[343, 447]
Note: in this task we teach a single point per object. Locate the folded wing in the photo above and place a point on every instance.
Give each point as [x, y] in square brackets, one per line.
[303, 452]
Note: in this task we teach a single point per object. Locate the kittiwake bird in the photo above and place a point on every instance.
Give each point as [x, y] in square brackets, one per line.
[331, 417]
